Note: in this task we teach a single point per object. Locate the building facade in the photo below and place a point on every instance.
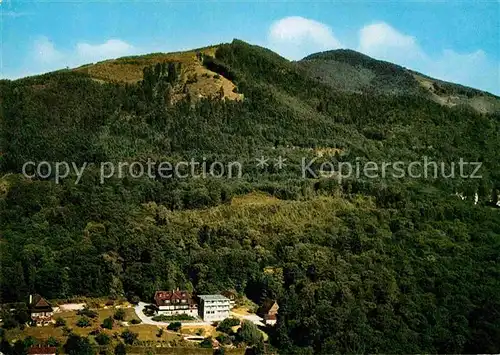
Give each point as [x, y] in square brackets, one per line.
[170, 303]
[40, 310]
[214, 308]
[232, 295]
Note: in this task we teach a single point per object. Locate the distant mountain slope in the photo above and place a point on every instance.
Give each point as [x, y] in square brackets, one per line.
[349, 70]
[194, 79]
[342, 69]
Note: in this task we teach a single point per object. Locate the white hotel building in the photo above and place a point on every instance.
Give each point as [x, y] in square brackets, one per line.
[214, 308]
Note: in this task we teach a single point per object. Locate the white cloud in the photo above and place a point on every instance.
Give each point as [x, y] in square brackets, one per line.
[45, 51]
[294, 37]
[381, 34]
[112, 48]
[382, 41]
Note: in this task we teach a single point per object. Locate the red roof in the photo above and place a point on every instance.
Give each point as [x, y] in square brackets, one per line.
[161, 297]
[42, 350]
[39, 304]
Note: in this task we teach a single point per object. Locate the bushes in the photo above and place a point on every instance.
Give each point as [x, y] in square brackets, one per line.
[206, 343]
[60, 322]
[9, 322]
[129, 337]
[174, 326]
[249, 333]
[77, 345]
[119, 314]
[83, 322]
[159, 333]
[51, 341]
[148, 311]
[120, 349]
[102, 339]
[135, 299]
[226, 325]
[175, 317]
[87, 312]
[21, 315]
[108, 323]
[224, 339]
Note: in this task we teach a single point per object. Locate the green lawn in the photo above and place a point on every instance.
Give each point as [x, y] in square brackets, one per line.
[146, 332]
[148, 341]
[179, 350]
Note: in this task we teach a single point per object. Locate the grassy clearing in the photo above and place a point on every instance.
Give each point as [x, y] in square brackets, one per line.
[254, 198]
[179, 351]
[148, 332]
[282, 217]
[71, 317]
[198, 80]
[243, 311]
[205, 330]
[92, 302]
[41, 333]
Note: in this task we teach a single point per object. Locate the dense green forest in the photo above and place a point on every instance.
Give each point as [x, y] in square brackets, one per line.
[357, 266]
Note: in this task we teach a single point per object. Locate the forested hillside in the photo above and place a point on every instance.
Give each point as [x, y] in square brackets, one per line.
[380, 265]
[351, 71]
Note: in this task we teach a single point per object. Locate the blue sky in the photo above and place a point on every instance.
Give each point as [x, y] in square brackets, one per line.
[457, 41]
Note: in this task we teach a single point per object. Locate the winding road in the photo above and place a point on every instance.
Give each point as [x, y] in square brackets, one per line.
[146, 320]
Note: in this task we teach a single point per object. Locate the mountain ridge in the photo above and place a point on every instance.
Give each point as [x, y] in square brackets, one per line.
[342, 69]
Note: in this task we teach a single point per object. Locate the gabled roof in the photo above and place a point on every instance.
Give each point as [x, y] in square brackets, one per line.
[161, 297]
[266, 306]
[42, 350]
[39, 304]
